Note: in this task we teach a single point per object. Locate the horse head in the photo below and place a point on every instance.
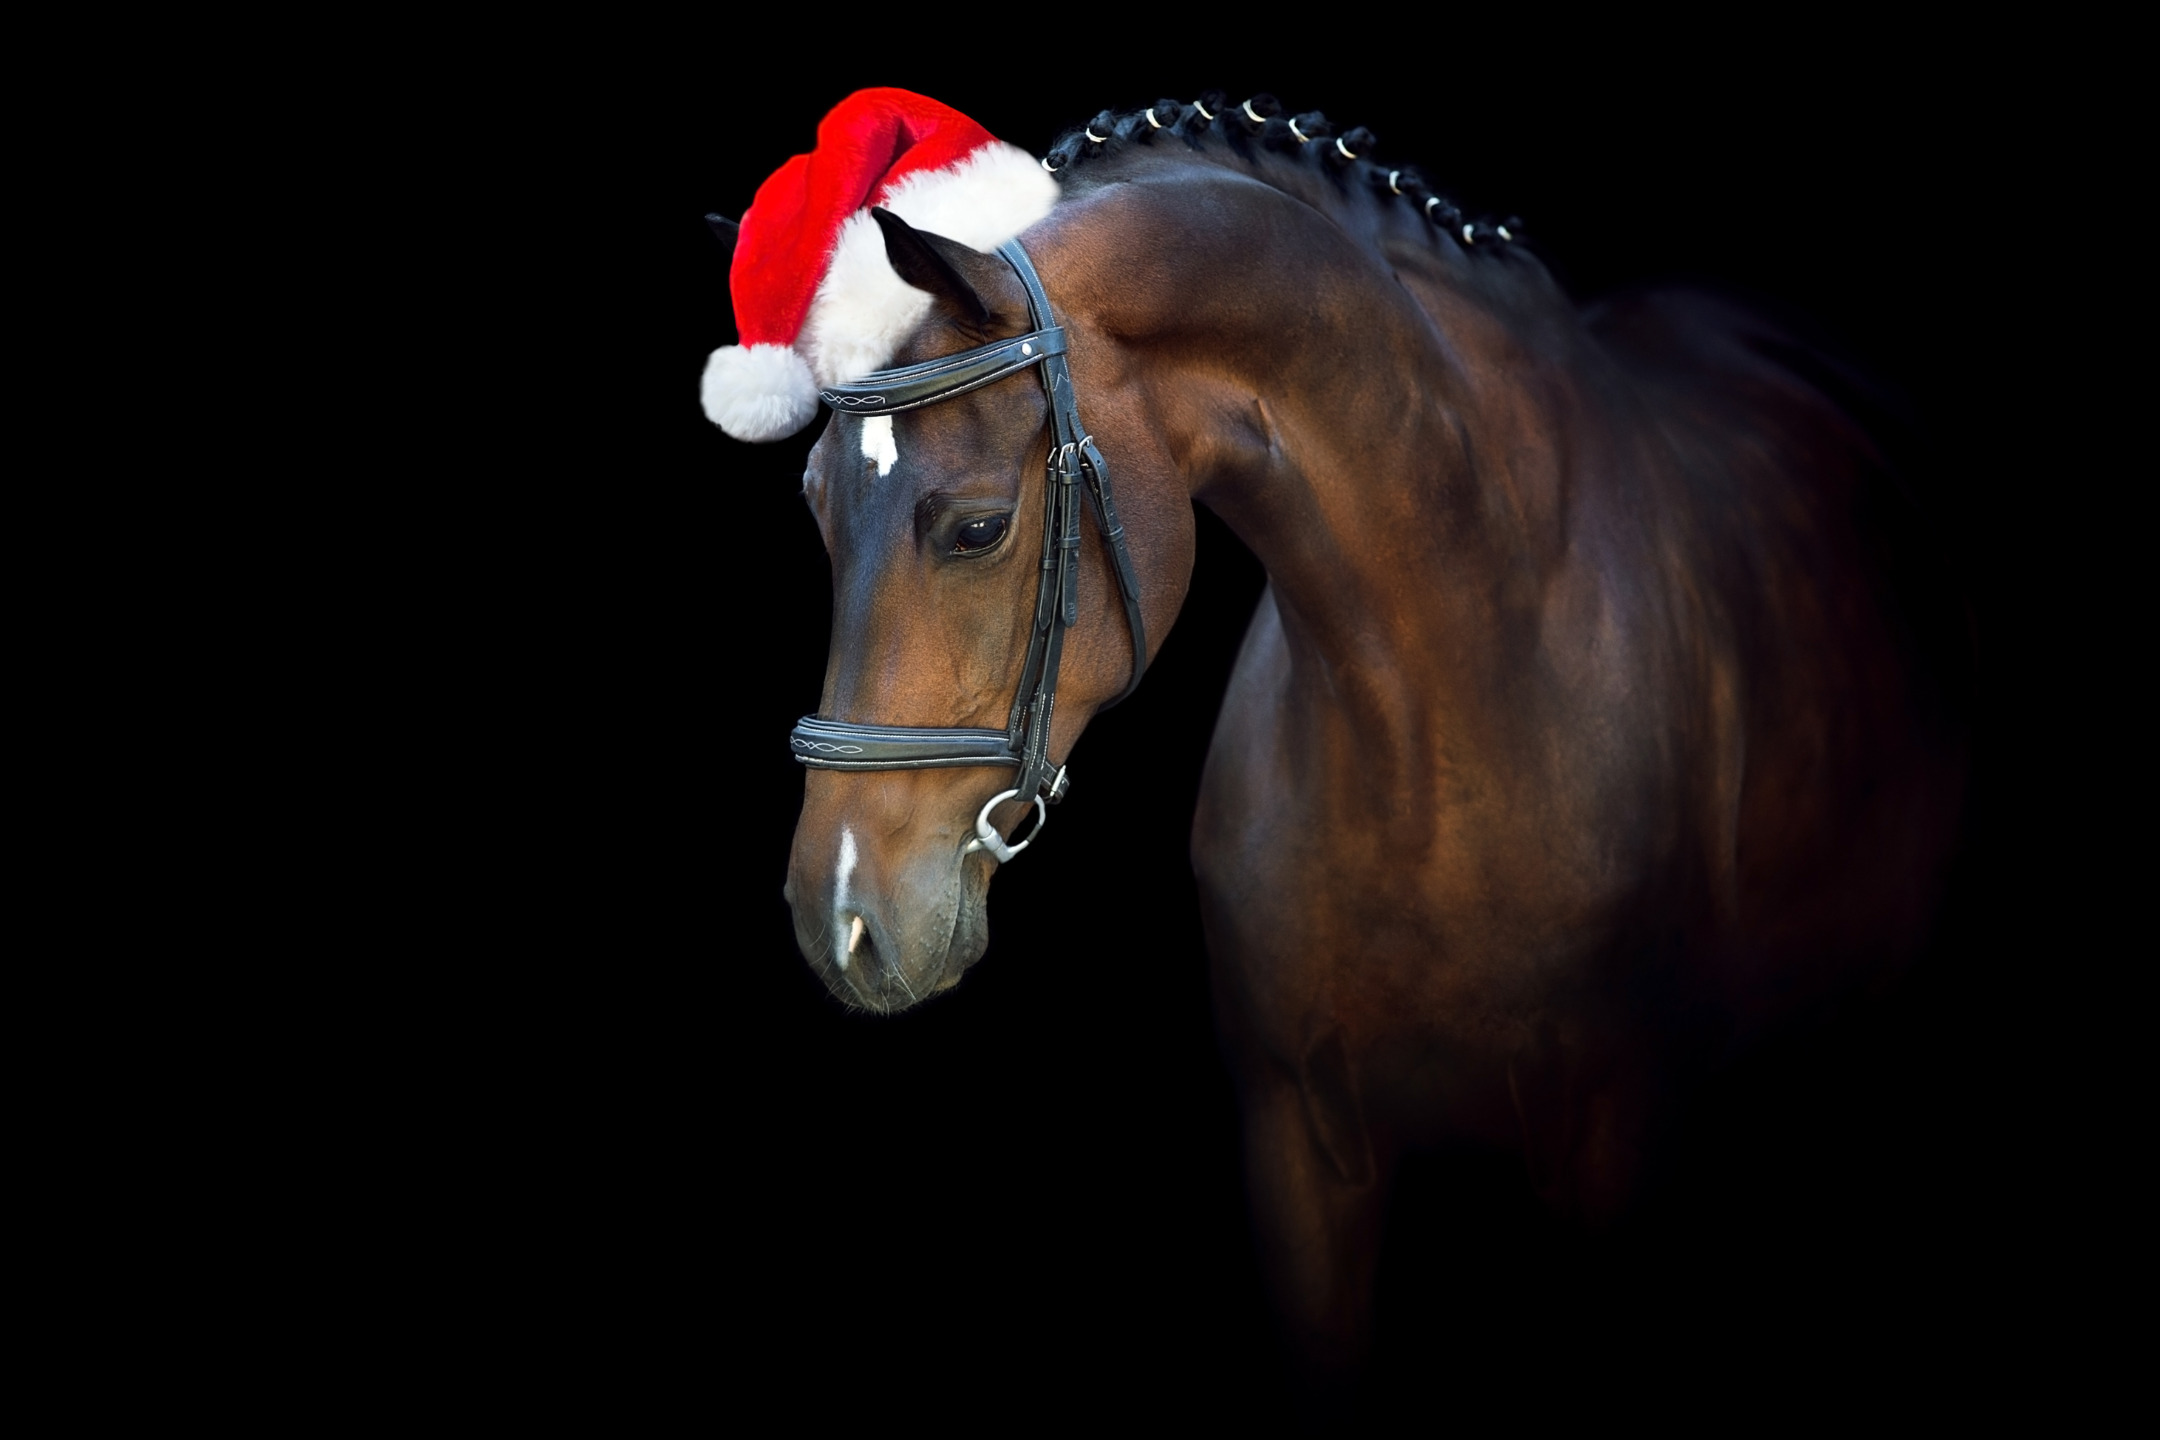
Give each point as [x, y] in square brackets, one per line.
[948, 555]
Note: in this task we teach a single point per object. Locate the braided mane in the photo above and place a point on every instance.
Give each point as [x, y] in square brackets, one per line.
[1287, 150]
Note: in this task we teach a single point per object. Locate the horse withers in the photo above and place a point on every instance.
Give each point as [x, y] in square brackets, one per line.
[1587, 727]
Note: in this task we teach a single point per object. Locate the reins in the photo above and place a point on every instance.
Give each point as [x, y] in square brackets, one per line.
[1025, 741]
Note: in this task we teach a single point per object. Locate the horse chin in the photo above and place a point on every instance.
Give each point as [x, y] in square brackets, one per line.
[902, 959]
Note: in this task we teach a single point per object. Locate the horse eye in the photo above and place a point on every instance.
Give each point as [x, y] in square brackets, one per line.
[980, 534]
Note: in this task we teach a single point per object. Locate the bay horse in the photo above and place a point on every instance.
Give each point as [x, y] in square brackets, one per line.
[1589, 724]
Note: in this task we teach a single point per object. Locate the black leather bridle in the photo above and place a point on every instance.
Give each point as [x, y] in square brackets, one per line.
[1025, 741]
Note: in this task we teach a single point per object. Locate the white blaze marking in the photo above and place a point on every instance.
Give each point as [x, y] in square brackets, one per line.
[847, 868]
[877, 443]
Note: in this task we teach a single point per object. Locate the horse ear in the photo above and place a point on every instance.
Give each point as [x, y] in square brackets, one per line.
[726, 231]
[950, 271]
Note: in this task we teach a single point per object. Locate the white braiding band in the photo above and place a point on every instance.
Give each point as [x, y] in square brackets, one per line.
[1345, 150]
[1302, 137]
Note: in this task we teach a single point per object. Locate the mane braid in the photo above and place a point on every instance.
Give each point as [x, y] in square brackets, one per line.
[1259, 130]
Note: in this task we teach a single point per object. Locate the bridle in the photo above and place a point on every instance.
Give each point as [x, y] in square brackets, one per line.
[1025, 740]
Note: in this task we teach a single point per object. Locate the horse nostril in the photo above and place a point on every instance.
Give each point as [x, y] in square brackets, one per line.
[858, 942]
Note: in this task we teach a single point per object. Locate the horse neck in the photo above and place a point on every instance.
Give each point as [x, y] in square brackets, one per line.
[1376, 414]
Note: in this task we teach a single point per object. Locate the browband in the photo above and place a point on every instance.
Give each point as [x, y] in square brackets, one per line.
[1025, 742]
[888, 392]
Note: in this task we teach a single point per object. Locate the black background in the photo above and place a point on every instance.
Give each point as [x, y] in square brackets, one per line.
[1024, 1201]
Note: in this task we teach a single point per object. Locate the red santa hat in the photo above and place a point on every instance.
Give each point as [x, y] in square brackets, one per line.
[815, 298]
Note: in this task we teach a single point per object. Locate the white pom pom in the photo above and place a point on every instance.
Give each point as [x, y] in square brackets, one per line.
[759, 392]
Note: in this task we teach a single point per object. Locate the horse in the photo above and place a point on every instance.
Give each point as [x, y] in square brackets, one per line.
[1591, 724]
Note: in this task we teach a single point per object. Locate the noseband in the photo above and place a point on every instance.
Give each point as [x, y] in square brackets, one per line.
[1025, 741]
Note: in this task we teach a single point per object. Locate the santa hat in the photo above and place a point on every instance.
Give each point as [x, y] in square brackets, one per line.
[816, 301]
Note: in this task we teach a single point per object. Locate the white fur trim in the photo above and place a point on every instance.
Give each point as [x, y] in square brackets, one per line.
[862, 310]
[759, 392]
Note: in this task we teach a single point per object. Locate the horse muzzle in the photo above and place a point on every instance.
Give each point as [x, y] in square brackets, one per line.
[889, 911]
